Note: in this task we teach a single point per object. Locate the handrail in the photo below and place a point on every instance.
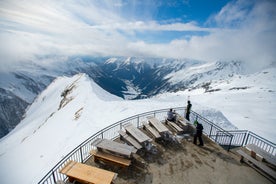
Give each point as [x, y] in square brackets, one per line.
[213, 131]
[244, 137]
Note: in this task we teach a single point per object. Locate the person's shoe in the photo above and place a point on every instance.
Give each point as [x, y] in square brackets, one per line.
[200, 145]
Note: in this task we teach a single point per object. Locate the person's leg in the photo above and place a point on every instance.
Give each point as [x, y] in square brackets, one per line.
[195, 138]
[200, 140]
[188, 116]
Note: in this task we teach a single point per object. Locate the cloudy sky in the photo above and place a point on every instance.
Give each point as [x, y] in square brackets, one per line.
[206, 30]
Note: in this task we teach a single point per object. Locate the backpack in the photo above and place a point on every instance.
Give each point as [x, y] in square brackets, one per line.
[199, 127]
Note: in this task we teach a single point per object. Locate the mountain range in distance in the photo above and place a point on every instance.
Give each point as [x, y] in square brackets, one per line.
[70, 101]
[126, 77]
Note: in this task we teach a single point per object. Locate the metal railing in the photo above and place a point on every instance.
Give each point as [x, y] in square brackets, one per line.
[245, 137]
[214, 132]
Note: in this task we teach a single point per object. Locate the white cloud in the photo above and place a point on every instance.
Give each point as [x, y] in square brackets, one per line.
[243, 30]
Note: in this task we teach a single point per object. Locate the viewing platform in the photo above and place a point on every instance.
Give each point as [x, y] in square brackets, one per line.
[170, 158]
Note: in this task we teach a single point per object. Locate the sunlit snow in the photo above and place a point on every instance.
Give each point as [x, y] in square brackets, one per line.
[57, 122]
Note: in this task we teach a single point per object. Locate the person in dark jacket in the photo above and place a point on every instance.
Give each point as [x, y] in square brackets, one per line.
[188, 110]
[198, 134]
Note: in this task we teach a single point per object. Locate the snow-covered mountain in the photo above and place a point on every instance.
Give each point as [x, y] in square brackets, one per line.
[67, 112]
[126, 77]
[73, 108]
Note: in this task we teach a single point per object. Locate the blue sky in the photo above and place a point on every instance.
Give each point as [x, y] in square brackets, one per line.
[208, 30]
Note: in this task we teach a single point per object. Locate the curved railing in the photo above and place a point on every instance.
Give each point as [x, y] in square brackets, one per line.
[81, 152]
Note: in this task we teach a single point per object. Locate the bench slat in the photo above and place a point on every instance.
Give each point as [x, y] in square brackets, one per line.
[182, 123]
[130, 140]
[110, 158]
[87, 174]
[174, 126]
[152, 131]
[117, 148]
[137, 134]
[158, 125]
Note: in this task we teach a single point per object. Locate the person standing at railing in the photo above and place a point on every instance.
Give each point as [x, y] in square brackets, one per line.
[188, 110]
[198, 134]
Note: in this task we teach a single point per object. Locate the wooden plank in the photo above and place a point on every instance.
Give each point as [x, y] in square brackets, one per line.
[184, 120]
[268, 157]
[174, 126]
[152, 131]
[88, 174]
[96, 142]
[182, 123]
[259, 164]
[137, 134]
[158, 125]
[117, 148]
[130, 140]
[110, 158]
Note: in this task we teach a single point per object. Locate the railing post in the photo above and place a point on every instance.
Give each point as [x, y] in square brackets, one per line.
[229, 146]
[244, 138]
[210, 130]
[81, 154]
[102, 134]
[247, 136]
[138, 121]
[54, 178]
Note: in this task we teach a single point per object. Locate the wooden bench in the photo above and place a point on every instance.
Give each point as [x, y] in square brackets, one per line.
[129, 139]
[174, 127]
[87, 174]
[261, 154]
[158, 125]
[114, 147]
[137, 134]
[108, 158]
[257, 163]
[182, 123]
[151, 130]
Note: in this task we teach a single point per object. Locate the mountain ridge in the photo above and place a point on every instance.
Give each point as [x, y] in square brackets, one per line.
[126, 77]
[71, 109]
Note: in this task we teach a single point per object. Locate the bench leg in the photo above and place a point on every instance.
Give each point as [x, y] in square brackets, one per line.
[241, 160]
[70, 179]
[253, 154]
[96, 160]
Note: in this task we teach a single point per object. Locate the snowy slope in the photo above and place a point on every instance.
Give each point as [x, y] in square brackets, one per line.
[196, 74]
[247, 101]
[50, 128]
[71, 109]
